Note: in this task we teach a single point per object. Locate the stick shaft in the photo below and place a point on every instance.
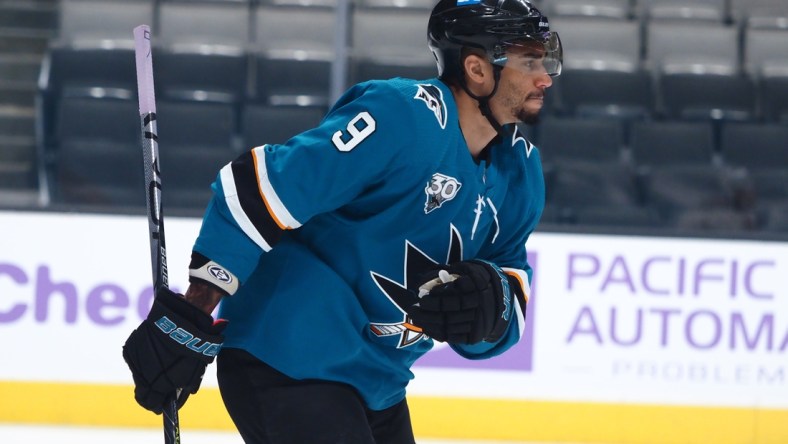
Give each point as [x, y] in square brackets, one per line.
[150, 155]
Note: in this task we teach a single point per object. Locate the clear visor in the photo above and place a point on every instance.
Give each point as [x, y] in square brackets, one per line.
[536, 55]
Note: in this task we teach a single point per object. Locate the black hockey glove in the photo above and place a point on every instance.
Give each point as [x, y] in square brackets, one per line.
[170, 350]
[464, 303]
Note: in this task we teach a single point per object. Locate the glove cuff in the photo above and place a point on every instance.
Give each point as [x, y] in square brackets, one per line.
[503, 302]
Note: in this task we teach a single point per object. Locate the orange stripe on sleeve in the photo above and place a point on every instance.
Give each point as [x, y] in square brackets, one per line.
[522, 284]
[279, 223]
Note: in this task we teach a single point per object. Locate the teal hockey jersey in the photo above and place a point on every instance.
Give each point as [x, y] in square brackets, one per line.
[329, 232]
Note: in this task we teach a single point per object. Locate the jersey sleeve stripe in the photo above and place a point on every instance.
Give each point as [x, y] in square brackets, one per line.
[521, 277]
[275, 207]
[525, 290]
[245, 176]
[234, 204]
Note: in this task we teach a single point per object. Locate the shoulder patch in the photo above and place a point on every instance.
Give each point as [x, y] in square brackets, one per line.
[433, 97]
[517, 137]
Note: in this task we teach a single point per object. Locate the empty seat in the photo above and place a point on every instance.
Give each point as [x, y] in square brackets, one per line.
[389, 42]
[197, 139]
[106, 24]
[19, 69]
[424, 5]
[574, 140]
[743, 10]
[276, 36]
[676, 189]
[593, 43]
[698, 196]
[203, 26]
[262, 124]
[672, 143]
[755, 145]
[293, 65]
[766, 51]
[18, 160]
[698, 48]
[99, 120]
[768, 184]
[89, 72]
[593, 184]
[622, 217]
[17, 166]
[29, 17]
[614, 9]
[300, 3]
[776, 218]
[97, 159]
[721, 220]
[691, 10]
[762, 149]
[200, 52]
[93, 49]
[707, 96]
[601, 194]
[612, 93]
[190, 76]
[291, 81]
[551, 214]
[679, 188]
[773, 98]
[766, 60]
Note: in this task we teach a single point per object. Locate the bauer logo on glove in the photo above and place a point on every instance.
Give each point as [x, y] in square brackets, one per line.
[187, 339]
[167, 354]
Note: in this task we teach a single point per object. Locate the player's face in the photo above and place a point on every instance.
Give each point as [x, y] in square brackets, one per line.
[523, 83]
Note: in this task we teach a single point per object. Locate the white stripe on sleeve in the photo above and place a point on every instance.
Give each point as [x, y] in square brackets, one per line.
[231, 197]
[274, 203]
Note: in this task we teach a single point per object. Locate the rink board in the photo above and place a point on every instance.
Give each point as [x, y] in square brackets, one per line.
[433, 417]
[628, 339]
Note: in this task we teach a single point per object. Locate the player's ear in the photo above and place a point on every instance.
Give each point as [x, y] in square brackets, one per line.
[478, 72]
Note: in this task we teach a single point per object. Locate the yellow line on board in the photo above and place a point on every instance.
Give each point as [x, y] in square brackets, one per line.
[457, 418]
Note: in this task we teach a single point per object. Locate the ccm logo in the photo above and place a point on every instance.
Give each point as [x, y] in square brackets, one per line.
[220, 274]
[187, 339]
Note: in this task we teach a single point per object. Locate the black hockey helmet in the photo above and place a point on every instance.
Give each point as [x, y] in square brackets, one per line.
[489, 25]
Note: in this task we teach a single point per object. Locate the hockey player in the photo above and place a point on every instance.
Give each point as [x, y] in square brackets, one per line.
[341, 255]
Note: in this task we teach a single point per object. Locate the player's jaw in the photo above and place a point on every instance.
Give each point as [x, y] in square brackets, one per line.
[532, 105]
[521, 106]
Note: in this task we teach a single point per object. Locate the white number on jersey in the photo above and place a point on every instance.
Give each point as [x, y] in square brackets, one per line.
[356, 135]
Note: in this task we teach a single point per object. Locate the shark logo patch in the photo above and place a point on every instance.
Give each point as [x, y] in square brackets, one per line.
[402, 295]
[433, 97]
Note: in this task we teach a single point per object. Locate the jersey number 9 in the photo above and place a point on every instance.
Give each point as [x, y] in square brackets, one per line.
[356, 135]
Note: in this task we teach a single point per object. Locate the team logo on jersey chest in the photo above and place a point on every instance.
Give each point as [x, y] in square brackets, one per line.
[402, 295]
[440, 189]
[433, 97]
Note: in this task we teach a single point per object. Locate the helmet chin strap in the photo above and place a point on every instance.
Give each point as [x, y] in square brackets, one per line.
[484, 101]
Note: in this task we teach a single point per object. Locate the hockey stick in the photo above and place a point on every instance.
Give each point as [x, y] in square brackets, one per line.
[150, 156]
